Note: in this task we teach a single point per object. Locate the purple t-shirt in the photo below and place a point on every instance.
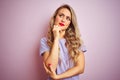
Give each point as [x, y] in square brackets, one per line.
[64, 62]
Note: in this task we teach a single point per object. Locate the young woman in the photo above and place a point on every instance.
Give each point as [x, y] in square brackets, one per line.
[62, 48]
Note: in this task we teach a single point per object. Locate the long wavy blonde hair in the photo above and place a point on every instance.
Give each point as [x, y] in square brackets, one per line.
[72, 36]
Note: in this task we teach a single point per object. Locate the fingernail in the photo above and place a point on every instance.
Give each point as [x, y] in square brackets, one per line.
[49, 64]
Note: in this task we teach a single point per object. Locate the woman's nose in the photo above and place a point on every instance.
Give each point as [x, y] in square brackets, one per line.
[63, 19]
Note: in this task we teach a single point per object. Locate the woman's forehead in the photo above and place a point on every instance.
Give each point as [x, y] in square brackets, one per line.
[65, 11]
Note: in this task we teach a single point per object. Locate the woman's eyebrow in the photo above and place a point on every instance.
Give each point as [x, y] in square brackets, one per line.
[68, 16]
[64, 15]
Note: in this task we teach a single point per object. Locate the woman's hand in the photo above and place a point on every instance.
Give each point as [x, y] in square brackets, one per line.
[56, 30]
[51, 72]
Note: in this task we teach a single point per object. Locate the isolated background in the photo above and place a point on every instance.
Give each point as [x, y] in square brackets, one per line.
[24, 22]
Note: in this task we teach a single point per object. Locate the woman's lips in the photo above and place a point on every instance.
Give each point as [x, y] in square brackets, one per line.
[61, 24]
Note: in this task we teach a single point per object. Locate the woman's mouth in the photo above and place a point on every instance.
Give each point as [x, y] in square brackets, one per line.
[61, 24]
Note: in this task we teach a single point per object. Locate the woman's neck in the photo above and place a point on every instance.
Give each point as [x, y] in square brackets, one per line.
[62, 34]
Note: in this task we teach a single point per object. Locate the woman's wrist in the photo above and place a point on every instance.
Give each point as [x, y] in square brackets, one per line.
[57, 77]
[56, 39]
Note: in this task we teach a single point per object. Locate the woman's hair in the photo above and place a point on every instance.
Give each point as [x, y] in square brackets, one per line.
[72, 36]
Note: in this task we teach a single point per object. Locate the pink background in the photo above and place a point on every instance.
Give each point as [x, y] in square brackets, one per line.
[24, 22]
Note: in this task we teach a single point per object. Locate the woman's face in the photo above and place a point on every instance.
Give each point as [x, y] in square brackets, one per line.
[63, 18]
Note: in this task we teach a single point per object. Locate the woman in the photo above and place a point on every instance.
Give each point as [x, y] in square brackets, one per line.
[62, 49]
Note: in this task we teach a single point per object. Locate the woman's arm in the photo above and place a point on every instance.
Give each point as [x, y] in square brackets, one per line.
[77, 69]
[51, 57]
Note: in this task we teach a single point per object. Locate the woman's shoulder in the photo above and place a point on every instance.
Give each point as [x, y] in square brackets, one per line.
[43, 39]
[83, 48]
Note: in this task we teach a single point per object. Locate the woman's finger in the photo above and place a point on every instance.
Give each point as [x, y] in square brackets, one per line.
[51, 69]
[46, 69]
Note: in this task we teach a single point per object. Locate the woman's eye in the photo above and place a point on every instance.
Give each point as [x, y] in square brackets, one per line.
[68, 19]
[61, 15]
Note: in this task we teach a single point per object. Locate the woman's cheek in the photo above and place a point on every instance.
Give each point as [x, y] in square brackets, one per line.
[68, 24]
[57, 20]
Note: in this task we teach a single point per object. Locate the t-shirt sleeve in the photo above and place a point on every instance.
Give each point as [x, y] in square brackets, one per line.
[43, 46]
[83, 48]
